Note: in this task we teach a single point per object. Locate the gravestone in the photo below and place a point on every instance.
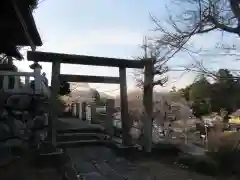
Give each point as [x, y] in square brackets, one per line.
[93, 113]
[74, 110]
[84, 115]
[77, 109]
[88, 113]
[109, 116]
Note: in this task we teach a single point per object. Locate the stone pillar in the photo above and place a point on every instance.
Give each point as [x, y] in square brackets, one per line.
[126, 122]
[80, 111]
[72, 106]
[84, 106]
[38, 80]
[148, 105]
[77, 109]
[109, 116]
[74, 110]
[37, 76]
[55, 84]
[93, 113]
[88, 113]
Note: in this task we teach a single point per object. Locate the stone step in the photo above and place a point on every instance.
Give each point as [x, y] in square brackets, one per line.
[81, 130]
[79, 143]
[81, 136]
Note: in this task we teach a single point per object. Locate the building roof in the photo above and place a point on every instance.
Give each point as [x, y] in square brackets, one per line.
[12, 32]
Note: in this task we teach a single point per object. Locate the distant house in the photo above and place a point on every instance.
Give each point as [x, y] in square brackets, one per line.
[234, 120]
[235, 117]
[211, 119]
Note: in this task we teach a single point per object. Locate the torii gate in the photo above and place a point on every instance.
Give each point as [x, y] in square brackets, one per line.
[122, 64]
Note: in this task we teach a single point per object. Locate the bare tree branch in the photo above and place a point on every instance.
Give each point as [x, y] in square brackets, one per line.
[159, 63]
[196, 17]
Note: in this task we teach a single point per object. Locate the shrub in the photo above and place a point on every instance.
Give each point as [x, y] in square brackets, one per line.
[202, 164]
[226, 153]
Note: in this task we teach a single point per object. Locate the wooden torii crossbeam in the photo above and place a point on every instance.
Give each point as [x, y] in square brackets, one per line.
[89, 79]
[86, 60]
[57, 59]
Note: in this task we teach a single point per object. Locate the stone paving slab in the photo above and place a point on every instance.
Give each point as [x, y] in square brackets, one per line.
[101, 162]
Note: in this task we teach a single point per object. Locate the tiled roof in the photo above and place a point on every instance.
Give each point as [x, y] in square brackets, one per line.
[12, 33]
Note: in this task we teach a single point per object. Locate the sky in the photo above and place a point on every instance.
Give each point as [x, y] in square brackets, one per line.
[109, 28]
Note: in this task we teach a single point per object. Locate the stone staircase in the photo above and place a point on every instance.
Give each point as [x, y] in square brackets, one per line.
[74, 133]
[80, 137]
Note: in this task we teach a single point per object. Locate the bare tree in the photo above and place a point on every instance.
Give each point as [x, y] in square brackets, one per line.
[197, 17]
[152, 53]
[3, 58]
[200, 16]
